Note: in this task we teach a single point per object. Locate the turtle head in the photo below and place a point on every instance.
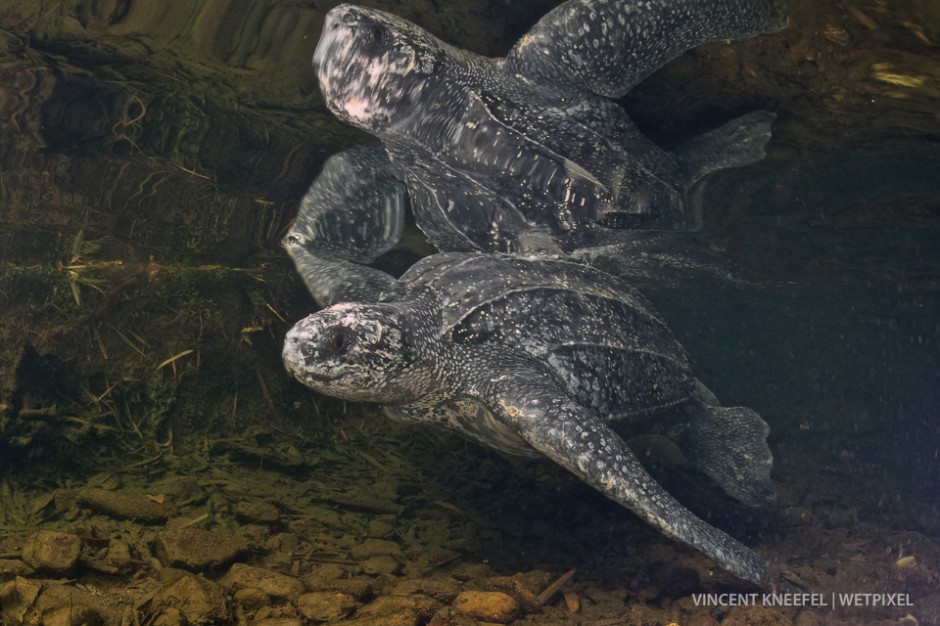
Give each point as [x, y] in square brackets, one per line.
[372, 65]
[358, 352]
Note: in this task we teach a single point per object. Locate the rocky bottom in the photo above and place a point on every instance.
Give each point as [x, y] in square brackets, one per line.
[384, 525]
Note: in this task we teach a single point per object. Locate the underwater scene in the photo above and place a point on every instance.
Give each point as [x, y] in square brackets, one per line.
[438, 313]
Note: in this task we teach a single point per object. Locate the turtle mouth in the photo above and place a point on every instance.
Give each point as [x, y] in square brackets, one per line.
[300, 355]
[298, 370]
[321, 378]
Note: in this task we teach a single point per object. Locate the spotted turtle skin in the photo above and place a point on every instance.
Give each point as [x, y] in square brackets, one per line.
[542, 358]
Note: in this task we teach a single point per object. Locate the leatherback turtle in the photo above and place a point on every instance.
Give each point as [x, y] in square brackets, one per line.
[544, 357]
[520, 153]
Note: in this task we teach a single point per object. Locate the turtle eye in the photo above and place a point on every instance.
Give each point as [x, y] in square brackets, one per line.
[339, 341]
[293, 239]
[379, 34]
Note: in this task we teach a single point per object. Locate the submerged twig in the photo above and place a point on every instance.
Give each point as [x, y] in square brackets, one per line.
[555, 587]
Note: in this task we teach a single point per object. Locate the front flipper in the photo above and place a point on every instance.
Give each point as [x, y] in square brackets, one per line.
[331, 280]
[535, 405]
[353, 212]
[609, 46]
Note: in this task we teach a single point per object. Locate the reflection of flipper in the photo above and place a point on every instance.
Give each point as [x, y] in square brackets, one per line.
[609, 47]
[353, 212]
[738, 142]
[730, 445]
[660, 263]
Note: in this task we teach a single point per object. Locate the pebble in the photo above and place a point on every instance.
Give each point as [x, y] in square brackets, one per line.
[487, 606]
[381, 529]
[257, 513]
[120, 505]
[70, 615]
[442, 589]
[169, 617]
[325, 606]
[377, 547]
[381, 564]
[200, 601]
[17, 598]
[275, 584]
[470, 571]
[251, 599]
[196, 549]
[52, 552]
[360, 587]
[64, 605]
[180, 489]
[14, 567]
[119, 556]
[449, 617]
[387, 607]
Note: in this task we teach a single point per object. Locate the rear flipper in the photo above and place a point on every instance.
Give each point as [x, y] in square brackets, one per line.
[730, 445]
[739, 142]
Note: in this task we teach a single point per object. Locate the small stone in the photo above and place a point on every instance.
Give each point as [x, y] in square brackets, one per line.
[333, 577]
[402, 618]
[65, 605]
[389, 609]
[14, 567]
[257, 513]
[325, 606]
[169, 575]
[52, 552]
[443, 589]
[199, 600]
[322, 575]
[275, 584]
[381, 564]
[120, 505]
[278, 621]
[17, 598]
[251, 599]
[196, 549]
[180, 489]
[487, 606]
[360, 587]
[470, 571]
[119, 556]
[449, 617]
[169, 617]
[380, 529]
[70, 615]
[377, 547]
[282, 542]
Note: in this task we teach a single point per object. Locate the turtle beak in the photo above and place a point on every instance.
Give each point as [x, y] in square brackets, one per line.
[337, 23]
[322, 53]
[300, 350]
